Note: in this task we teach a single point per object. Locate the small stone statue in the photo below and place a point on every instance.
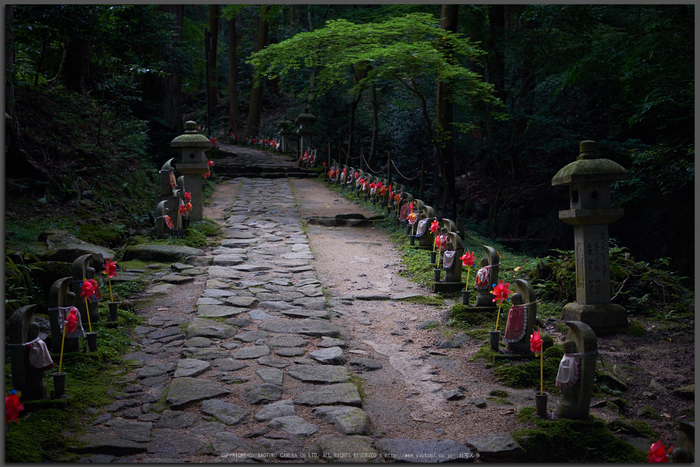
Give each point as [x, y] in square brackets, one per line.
[576, 381]
[28, 354]
[521, 318]
[451, 263]
[487, 277]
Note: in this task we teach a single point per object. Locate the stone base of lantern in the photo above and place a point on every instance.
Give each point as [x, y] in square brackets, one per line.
[448, 287]
[603, 318]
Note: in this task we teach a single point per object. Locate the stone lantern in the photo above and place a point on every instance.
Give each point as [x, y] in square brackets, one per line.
[590, 212]
[193, 165]
[306, 129]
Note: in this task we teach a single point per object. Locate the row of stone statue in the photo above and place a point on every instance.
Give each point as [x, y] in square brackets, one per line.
[577, 368]
[29, 355]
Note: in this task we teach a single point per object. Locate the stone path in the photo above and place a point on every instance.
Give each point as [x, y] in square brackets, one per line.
[258, 369]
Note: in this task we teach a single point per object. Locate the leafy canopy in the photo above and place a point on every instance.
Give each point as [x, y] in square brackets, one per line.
[406, 48]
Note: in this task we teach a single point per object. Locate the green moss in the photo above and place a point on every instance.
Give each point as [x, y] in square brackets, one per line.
[360, 383]
[466, 315]
[648, 412]
[526, 374]
[111, 234]
[635, 329]
[572, 441]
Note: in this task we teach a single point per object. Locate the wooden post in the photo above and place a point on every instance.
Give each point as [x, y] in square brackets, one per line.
[422, 180]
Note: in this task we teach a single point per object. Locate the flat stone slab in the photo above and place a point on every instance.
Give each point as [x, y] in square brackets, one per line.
[182, 391]
[294, 425]
[228, 364]
[270, 375]
[155, 369]
[287, 341]
[244, 302]
[347, 449]
[261, 393]
[364, 364]
[256, 351]
[343, 393]
[191, 367]
[283, 447]
[311, 303]
[309, 327]
[229, 260]
[329, 355]
[229, 413]
[320, 374]
[259, 315]
[200, 327]
[251, 336]
[204, 354]
[133, 431]
[274, 362]
[177, 419]
[238, 242]
[290, 351]
[331, 342]
[226, 442]
[218, 311]
[223, 272]
[347, 420]
[107, 443]
[427, 451]
[496, 448]
[160, 253]
[218, 293]
[199, 342]
[277, 409]
[300, 313]
[169, 443]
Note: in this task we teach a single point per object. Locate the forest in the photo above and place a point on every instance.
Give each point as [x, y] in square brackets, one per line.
[490, 101]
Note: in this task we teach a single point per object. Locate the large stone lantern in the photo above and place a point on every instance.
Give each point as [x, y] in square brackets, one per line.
[306, 121]
[193, 165]
[590, 212]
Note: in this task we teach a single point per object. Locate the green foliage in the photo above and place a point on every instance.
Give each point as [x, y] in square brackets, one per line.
[566, 440]
[424, 300]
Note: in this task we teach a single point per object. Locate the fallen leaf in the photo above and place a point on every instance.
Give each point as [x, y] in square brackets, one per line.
[517, 269]
[161, 309]
[508, 412]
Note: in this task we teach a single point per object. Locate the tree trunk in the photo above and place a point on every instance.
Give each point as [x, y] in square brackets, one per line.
[77, 64]
[234, 111]
[211, 59]
[375, 124]
[255, 113]
[443, 130]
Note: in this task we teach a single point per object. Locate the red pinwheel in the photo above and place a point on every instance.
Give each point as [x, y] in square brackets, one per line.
[412, 217]
[71, 321]
[187, 196]
[658, 453]
[211, 163]
[434, 226]
[362, 181]
[437, 240]
[87, 289]
[13, 407]
[468, 259]
[501, 292]
[183, 209]
[110, 268]
[536, 342]
[206, 175]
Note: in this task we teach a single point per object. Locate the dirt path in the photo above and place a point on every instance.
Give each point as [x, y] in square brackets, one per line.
[408, 398]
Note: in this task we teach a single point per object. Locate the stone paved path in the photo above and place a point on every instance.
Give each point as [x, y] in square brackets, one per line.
[259, 368]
